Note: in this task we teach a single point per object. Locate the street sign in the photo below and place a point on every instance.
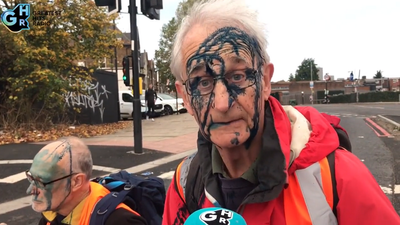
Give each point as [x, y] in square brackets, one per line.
[327, 77]
[311, 84]
[351, 76]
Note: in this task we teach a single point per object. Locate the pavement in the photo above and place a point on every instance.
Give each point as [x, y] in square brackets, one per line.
[395, 118]
[169, 139]
[166, 141]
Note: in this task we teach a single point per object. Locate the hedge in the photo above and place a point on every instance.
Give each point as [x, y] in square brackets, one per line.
[366, 97]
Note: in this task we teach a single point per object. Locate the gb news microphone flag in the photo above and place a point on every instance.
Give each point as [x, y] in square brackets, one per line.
[215, 216]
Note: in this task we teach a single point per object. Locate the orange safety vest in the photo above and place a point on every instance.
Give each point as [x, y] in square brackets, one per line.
[85, 208]
[308, 199]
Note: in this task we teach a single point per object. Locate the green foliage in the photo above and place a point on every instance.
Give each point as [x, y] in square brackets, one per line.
[303, 73]
[378, 74]
[379, 97]
[366, 97]
[163, 54]
[37, 66]
[291, 77]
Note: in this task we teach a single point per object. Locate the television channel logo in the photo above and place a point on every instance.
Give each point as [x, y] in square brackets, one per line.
[16, 20]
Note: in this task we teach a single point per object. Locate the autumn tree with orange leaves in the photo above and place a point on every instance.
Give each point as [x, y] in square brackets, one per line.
[38, 66]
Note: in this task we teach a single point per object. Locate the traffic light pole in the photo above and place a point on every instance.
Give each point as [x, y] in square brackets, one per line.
[137, 114]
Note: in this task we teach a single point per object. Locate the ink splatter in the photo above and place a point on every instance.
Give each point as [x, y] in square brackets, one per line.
[235, 140]
[209, 56]
[46, 167]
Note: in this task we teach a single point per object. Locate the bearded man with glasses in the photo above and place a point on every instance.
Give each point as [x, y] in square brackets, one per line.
[61, 189]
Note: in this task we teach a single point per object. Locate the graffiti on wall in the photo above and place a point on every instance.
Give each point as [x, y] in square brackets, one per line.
[97, 93]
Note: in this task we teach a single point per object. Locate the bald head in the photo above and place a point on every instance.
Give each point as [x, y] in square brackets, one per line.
[62, 157]
[59, 175]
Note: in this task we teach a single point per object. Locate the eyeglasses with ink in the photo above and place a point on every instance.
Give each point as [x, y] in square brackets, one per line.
[41, 184]
[203, 84]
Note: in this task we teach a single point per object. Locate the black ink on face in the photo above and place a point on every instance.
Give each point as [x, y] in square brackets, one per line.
[227, 40]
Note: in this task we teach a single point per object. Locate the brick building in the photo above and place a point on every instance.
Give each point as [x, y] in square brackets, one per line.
[301, 91]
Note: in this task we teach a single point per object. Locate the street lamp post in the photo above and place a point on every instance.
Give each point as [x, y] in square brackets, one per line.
[326, 78]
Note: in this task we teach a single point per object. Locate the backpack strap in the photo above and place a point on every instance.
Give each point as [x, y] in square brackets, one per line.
[107, 205]
[331, 161]
[188, 182]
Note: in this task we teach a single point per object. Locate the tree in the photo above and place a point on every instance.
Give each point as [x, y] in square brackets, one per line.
[162, 55]
[291, 77]
[378, 74]
[37, 66]
[303, 73]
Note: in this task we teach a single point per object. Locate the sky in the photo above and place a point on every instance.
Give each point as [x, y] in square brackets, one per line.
[362, 36]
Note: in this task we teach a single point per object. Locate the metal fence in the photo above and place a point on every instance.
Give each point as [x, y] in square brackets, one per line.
[299, 98]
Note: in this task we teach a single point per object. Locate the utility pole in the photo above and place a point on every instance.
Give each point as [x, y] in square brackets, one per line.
[115, 52]
[312, 89]
[137, 114]
[357, 84]
[150, 9]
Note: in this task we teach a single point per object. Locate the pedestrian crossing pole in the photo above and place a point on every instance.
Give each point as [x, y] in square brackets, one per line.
[137, 114]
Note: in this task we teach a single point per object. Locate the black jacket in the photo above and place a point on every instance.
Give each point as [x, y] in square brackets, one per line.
[150, 96]
[118, 217]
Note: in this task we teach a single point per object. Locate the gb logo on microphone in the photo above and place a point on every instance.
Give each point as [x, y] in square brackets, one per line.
[216, 217]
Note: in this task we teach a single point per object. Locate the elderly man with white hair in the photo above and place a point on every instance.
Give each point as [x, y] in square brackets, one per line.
[272, 164]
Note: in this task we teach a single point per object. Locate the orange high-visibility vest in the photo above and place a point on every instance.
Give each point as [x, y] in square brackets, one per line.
[308, 199]
[96, 194]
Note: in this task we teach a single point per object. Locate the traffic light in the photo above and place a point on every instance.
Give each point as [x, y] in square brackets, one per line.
[114, 6]
[125, 69]
[151, 8]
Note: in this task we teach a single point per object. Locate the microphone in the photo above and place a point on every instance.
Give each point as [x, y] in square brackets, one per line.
[215, 216]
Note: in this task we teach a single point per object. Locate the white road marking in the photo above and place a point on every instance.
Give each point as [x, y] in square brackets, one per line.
[396, 189]
[20, 176]
[18, 161]
[20, 203]
[388, 190]
[370, 107]
[13, 178]
[168, 175]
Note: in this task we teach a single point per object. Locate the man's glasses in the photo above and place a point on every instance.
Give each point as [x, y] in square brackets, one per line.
[204, 85]
[41, 184]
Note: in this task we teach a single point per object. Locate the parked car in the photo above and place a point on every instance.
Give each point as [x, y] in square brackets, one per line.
[171, 104]
[126, 105]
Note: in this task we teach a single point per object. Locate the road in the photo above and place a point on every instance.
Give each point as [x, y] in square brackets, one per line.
[380, 154]
[376, 152]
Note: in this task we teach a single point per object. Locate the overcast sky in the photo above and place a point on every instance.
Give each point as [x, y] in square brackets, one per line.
[340, 35]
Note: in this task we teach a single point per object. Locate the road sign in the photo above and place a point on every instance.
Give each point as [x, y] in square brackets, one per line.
[311, 84]
[327, 77]
[351, 76]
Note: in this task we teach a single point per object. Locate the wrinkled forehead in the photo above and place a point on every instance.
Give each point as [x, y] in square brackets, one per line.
[221, 49]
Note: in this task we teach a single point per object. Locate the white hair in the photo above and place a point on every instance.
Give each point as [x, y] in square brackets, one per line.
[219, 13]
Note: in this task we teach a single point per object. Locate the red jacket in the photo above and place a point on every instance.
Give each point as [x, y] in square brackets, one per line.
[361, 200]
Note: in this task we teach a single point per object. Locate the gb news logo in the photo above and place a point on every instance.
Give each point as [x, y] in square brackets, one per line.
[16, 20]
[216, 217]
